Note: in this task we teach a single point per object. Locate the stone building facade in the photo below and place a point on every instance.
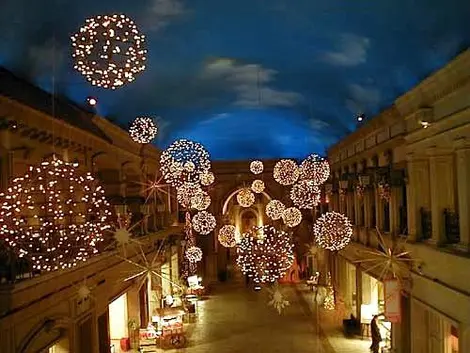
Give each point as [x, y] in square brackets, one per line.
[406, 173]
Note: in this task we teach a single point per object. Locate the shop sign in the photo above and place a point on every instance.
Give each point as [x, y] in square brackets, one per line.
[148, 334]
[392, 294]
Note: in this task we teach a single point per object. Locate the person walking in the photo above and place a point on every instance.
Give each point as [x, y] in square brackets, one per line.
[376, 337]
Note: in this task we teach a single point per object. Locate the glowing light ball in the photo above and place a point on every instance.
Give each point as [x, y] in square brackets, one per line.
[193, 254]
[315, 168]
[275, 209]
[256, 167]
[305, 194]
[207, 178]
[257, 186]
[109, 51]
[184, 161]
[143, 129]
[185, 192]
[200, 201]
[227, 236]
[245, 198]
[203, 222]
[292, 217]
[332, 231]
[266, 258]
[54, 215]
[286, 172]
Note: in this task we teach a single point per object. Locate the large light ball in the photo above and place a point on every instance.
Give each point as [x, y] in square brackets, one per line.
[185, 192]
[228, 236]
[193, 254]
[292, 217]
[54, 215]
[245, 197]
[200, 201]
[315, 168]
[275, 209]
[286, 172]
[265, 258]
[256, 167]
[184, 161]
[207, 178]
[257, 186]
[109, 51]
[203, 222]
[305, 194]
[143, 129]
[332, 231]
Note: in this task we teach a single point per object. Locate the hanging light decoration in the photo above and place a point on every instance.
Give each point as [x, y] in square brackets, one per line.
[275, 209]
[305, 194]
[207, 178]
[332, 231]
[54, 215]
[200, 201]
[109, 51]
[245, 197]
[292, 217]
[185, 192]
[257, 186]
[256, 167]
[227, 236]
[203, 222]
[184, 161]
[193, 254]
[267, 258]
[143, 129]
[286, 172]
[315, 168]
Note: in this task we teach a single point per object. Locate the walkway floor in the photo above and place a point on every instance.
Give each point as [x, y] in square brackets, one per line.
[236, 319]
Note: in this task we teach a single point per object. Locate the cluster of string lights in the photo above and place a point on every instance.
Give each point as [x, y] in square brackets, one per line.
[332, 231]
[185, 192]
[305, 194]
[54, 215]
[256, 167]
[143, 129]
[206, 178]
[275, 209]
[245, 197]
[203, 222]
[200, 200]
[184, 161]
[257, 186]
[315, 168]
[286, 172]
[292, 217]
[109, 51]
[193, 254]
[228, 236]
[265, 259]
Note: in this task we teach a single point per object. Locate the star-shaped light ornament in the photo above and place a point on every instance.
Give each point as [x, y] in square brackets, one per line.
[277, 299]
[122, 234]
[392, 262]
[155, 188]
[83, 291]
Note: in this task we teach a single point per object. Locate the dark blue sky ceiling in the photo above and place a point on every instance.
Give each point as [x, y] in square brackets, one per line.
[318, 63]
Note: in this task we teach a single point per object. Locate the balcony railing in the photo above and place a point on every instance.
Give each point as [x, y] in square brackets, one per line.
[452, 226]
[426, 224]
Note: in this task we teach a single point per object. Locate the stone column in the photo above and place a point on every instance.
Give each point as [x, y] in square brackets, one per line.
[395, 202]
[379, 212]
[349, 207]
[464, 338]
[441, 171]
[358, 292]
[356, 202]
[463, 191]
[367, 208]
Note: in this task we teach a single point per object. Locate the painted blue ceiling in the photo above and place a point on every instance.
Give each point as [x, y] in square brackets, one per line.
[247, 78]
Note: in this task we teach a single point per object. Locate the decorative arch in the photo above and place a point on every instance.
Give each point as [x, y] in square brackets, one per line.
[229, 197]
[53, 328]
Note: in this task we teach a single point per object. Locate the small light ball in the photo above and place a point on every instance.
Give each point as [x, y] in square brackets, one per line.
[275, 209]
[227, 236]
[200, 201]
[305, 194]
[143, 129]
[256, 167]
[292, 217]
[332, 231]
[245, 197]
[207, 178]
[203, 222]
[193, 254]
[185, 192]
[286, 172]
[315, 168]
[257, 186]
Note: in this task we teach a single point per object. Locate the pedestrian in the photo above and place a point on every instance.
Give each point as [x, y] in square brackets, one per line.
[376, 337]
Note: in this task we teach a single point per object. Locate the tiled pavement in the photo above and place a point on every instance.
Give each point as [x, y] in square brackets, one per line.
[236, 319]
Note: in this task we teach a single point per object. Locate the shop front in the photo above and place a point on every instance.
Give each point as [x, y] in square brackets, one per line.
[118, 325]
